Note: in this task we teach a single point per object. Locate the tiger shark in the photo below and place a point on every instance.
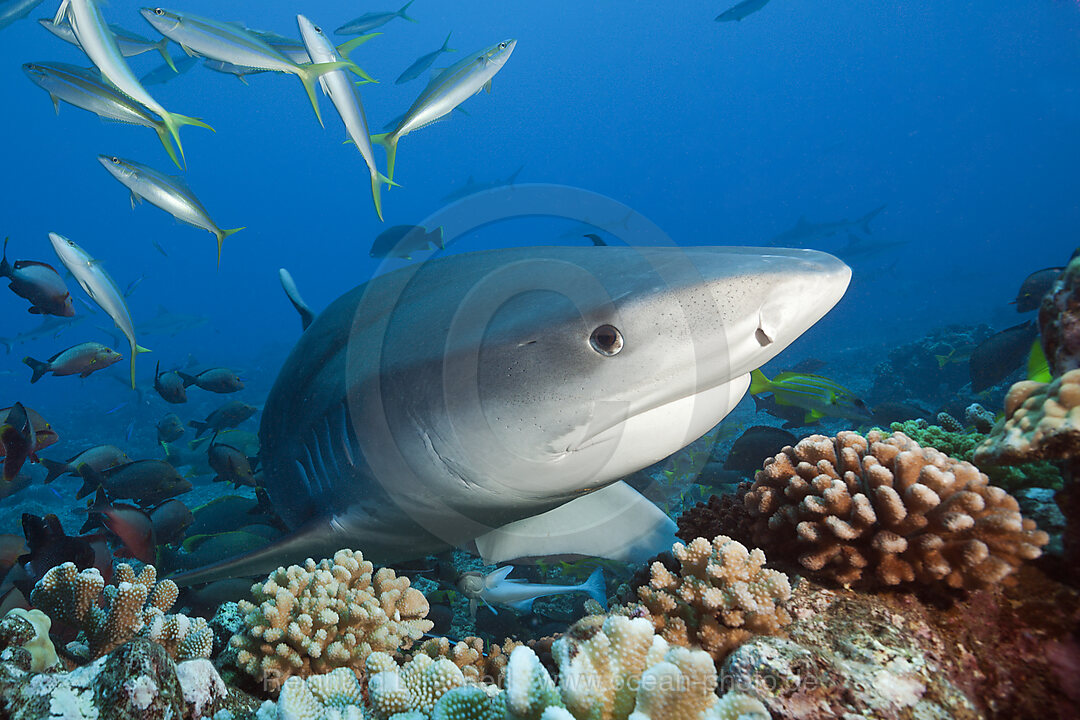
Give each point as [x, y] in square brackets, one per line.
[494, 400]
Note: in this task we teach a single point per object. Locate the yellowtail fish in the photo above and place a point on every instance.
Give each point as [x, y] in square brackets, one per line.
[234, 44]
[346, 99]
[423, 62]
[167, 192]
[818, 396]
[99, 44]
[446, 91]
[130, 44]
[371, 20]
[100, 287]
[86, 89]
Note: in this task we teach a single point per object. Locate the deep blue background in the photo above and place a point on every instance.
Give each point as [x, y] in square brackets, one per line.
[962, 116]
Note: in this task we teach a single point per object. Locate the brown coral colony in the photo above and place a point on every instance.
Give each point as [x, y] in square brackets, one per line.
[884, 510]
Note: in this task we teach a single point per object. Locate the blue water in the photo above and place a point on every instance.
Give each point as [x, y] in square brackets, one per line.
[961, 118]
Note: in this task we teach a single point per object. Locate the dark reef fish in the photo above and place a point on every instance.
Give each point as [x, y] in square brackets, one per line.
[100, 457]
[170, 428]
[230, 464]
[885, 413]
[147, 482]
[377, 433]
[170, 386]
[218, 380]
[171, 519]
[227, 416]
[132, 525]
[1034, 287]
[755, 445]
[17, 440]
[39, 283]
[50, 546]
[1000, 355]
[401, 241]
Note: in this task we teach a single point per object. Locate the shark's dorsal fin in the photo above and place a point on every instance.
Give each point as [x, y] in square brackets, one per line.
[615, 522]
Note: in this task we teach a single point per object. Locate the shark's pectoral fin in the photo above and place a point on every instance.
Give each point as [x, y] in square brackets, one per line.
[616, 522]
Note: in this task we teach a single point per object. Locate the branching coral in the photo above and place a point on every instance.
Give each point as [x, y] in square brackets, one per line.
[883, 509]
[417, 685]
[312, 618]
[721, 596]
[110, 615]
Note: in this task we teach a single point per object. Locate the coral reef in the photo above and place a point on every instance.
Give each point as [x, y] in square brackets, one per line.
[24, 639]
[721, 596]
[931, 367]
[979, 418]
[1059, 321]
[417, 685]
[719, 515]
[312, 618]
[111, 615]
[884, 510]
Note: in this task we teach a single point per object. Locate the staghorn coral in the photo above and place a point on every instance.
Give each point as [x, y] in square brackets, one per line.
[111, 615]
[312, 618]
[721, 596]
[882, 509]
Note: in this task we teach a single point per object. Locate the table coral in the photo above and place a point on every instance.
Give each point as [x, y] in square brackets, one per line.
[883, 510]
[310, 619]
[111, 615]
[721, 596]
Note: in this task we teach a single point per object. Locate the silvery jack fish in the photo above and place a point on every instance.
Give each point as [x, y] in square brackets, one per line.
[494, 400]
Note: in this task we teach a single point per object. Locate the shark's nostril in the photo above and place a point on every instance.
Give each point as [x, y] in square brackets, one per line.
[763, 337]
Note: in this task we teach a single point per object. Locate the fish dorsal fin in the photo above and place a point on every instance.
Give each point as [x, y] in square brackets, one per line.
[499, 576]
[615, 522]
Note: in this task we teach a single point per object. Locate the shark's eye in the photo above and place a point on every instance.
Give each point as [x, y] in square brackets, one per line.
[606, 340]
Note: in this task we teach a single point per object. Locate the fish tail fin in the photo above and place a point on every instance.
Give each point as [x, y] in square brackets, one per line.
[307, 77]
[401, 13]
[39, 368]
[389, 142]
[221, 235]
[188, 379]
[595, 587]
[758, 382]
[377, 181]
[5, 266]
[92, 480]
[200, 427]
[347, 47]
[163, 48]
[864, 221]
[174, 121]
[446, 44]
[166, 141]
[55, 469]
[136, 350]
[436, 237]
[62, 11]
[9, 345]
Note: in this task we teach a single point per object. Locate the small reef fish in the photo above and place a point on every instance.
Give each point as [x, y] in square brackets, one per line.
[99, 44]
[1038, 369]
[14, 10]
[100, 287]
[86, 89]
[171, 518]
[170, 428]
[17, 440]
[741, 11]
[217, 380]
[39, 283]
[446, 91]
[170, 386]
[83, 360]
[1000, 355]
[44, 435]
[371, 20]
[130, 43]
[169, 71]
[227, 416]
[1035, 285]
[167, 192]
[50, 327]
[131, 524]
[346, 99]
[234, 44]
[147, 482]
[752, 447]
[230, 464]
[423, 62]
[401, 241]
[817, 396]
[100, 457]
[497, 589]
